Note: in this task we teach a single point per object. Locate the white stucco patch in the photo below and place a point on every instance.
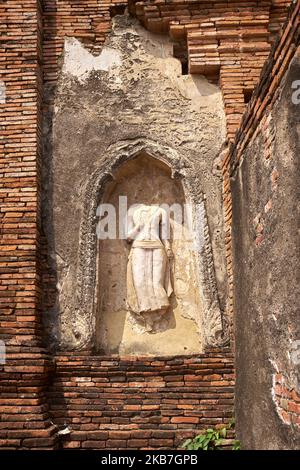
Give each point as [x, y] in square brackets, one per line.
[2, 92]
[79, 62]
[294, 353]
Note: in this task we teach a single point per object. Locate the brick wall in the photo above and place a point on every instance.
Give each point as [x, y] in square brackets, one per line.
[19, 160]
[227, 41]
[251, 118]
[24, 417]
[268, 89]
[23, 403]
[262, 99]
[287, 400]
[88, 21]
[263, 164]
[114, 403]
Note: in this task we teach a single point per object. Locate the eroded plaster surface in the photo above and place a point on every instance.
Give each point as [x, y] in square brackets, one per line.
[265, 192]
[130, 99]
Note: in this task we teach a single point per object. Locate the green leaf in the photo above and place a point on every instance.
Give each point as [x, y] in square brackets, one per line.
[186, 443]
[211, 439]
[206, 442]
[198, 446]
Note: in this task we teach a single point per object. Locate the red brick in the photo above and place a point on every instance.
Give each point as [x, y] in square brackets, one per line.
[184, 420]
[137, 443]
[93, 445]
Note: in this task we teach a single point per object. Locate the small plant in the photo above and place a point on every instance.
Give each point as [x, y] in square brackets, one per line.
[211, 439]
[236, 445]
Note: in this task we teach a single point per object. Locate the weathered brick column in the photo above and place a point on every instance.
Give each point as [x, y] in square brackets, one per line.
[23, 408]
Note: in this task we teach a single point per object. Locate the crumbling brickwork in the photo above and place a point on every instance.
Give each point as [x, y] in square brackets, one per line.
[148, 403]
[228, 41]
[24, 377]
[264, 162]
[20, 155]
[25, 421]
[287, 401]
[88, 21]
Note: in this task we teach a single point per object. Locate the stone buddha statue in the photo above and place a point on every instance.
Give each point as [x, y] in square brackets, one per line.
[148, 270]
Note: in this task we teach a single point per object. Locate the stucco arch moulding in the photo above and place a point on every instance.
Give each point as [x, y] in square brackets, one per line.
[214, 331]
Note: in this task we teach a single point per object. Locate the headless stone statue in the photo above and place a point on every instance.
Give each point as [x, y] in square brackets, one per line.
[148, 270]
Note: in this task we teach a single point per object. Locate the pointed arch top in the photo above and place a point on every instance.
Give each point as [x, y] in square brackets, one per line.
[180, 167]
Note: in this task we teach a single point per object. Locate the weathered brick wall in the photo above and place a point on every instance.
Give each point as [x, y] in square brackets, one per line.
[119, 403]
[264, 164]
[24, 417]
[228, 41]
[23, 378]
[287, 400]
[268, 89]
[88, 21]
[20, 154]
[278, 16]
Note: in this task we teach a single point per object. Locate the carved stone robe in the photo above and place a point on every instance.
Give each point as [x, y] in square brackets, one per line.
[148, 270]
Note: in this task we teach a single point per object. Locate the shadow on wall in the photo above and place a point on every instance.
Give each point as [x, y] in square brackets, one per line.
[55, 32]
[50, 302]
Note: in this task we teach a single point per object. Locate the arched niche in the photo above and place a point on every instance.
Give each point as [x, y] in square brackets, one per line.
[148, 181]
[125, 163]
